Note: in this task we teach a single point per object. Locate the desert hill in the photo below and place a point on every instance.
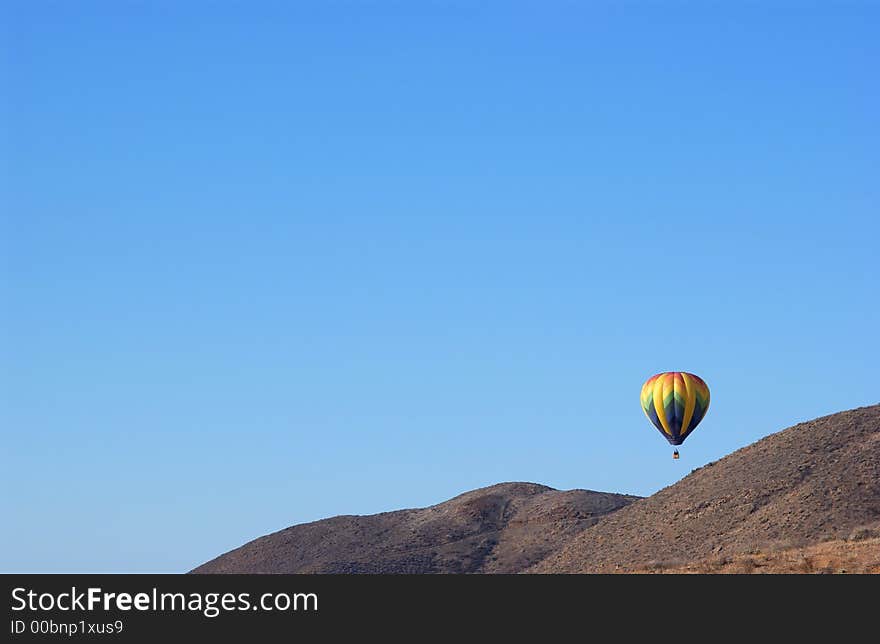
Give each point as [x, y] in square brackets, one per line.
[502, 529]
[805, 499]
[817, 481]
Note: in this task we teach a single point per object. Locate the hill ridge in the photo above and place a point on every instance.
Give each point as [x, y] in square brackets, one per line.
[503, 528]
[814, 482]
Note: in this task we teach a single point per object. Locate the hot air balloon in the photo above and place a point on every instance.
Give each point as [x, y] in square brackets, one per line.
[676, 402]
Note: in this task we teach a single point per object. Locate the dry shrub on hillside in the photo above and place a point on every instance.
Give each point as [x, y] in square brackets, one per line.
[863, 533]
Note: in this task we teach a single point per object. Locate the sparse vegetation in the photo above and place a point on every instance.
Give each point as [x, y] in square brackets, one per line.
[837, 557]
[806, 564]
[864, 532]
[744, 566]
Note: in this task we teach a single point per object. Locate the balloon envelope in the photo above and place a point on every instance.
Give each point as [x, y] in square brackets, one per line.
[675, 401]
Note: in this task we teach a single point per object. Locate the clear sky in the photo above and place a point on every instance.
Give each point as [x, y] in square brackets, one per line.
[265, 263]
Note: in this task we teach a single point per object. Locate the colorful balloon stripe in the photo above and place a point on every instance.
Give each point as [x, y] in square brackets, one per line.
[675, 402]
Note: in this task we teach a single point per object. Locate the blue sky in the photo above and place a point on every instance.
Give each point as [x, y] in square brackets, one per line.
[266, 264]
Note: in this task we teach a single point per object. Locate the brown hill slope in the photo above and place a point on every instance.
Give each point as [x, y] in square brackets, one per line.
[504, 528]
[813, 482]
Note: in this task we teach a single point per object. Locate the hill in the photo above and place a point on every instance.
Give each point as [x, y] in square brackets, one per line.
[817, 481]
[500, 529]
[806, 499]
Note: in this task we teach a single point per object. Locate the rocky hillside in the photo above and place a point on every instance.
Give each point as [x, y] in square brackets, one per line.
[500, 529]
[814, 482]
